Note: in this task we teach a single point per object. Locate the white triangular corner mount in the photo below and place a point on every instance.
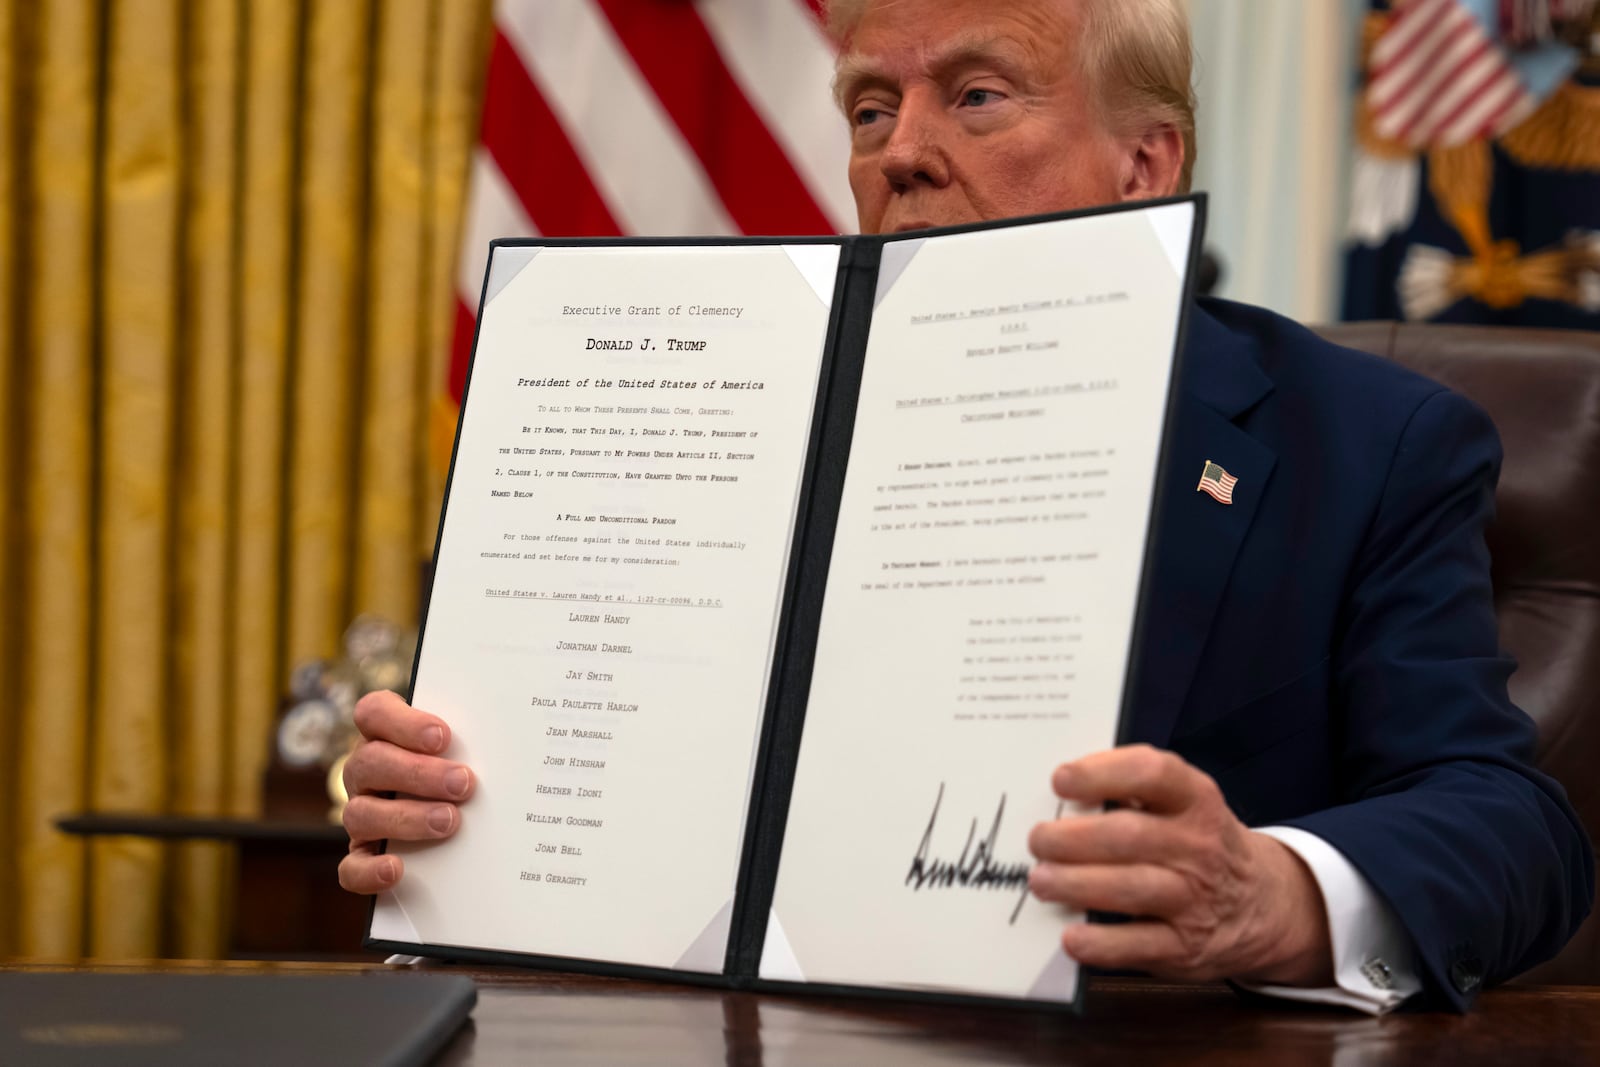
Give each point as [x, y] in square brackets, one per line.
[707, 953]
[505, 263]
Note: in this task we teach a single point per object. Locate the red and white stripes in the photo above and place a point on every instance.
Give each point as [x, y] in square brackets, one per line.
[1438, 79]
[606, 117]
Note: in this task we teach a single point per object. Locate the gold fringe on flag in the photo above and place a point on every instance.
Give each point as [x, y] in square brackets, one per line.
[1504, 280]
[1460, 179]
[1564, 134]
[1432, 279]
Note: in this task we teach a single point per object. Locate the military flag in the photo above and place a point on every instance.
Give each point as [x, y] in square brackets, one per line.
[1476, 193]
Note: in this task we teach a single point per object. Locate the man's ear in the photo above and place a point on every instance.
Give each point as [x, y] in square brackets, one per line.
[1153, 164]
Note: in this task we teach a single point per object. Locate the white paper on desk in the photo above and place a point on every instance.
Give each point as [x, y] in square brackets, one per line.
[981, 596]
[606, 596]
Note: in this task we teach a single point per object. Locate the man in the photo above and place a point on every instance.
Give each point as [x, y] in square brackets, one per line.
[1322, 654]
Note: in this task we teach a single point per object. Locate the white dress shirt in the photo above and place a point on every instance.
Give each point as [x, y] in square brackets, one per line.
[1374, 966]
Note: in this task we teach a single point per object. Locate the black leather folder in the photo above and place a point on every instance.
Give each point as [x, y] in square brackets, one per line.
[59, 1019]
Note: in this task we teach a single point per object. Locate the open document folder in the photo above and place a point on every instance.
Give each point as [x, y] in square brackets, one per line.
[774, 578]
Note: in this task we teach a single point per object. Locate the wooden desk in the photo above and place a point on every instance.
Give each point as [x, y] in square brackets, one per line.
[525, 1017]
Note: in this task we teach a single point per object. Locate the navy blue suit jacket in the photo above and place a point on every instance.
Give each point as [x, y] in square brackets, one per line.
[1325, 646]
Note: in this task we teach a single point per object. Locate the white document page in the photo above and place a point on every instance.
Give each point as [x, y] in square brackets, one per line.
[602, 622]
[980, 599]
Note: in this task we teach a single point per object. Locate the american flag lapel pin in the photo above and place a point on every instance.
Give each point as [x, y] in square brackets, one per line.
[1217, 482]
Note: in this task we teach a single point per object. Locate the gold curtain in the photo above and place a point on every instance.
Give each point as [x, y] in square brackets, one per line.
[227, 235]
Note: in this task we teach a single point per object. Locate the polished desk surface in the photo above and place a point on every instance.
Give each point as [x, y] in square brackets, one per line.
[528, 1017]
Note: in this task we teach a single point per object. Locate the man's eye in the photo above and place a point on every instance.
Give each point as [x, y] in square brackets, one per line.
[977, 97]
[867, 116]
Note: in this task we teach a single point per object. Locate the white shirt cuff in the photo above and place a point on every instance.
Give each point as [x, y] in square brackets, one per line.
[1373, 962]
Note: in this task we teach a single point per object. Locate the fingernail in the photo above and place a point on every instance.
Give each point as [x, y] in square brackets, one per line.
[387, 872]
[433, 738]
[1064, 777]
[440, 819]
[455, 782]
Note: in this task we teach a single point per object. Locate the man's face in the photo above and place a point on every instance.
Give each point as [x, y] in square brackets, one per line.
[962, 110]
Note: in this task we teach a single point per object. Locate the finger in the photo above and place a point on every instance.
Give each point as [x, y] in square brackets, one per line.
[1133, 889]
[1113, 837]
[1154, 780]
[370, 818]
[379, 767]
[364, 871]
[383, 716]
[1139, 946]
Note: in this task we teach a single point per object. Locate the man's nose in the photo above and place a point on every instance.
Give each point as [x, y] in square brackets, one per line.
[916, 151]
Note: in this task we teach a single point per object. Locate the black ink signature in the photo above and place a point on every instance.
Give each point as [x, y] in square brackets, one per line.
[975, 869]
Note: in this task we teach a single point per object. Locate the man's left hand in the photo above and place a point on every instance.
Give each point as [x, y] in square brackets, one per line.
[1211, 899]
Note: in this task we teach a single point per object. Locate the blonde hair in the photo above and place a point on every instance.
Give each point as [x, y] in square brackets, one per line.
[1137, 52]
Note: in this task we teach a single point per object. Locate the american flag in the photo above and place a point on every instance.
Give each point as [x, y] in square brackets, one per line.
[1440, 79]
[606, 117]
[1217, 483]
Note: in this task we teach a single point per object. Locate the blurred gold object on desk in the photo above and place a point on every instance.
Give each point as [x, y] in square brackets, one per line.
[336, 790]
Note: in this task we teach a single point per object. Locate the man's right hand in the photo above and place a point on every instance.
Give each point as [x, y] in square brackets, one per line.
[398, 753]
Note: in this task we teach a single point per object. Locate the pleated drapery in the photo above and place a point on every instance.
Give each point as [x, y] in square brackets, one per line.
[1274, 146]
[226, 245]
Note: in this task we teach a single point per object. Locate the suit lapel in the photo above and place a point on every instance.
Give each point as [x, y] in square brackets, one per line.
[1198, 537]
